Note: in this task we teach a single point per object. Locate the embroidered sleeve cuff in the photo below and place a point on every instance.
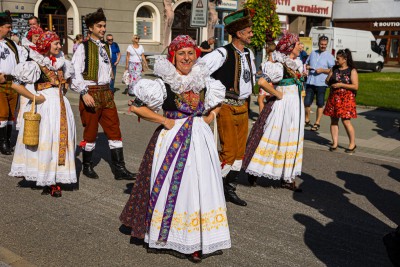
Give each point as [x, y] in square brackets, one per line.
[138, 103]
[17, 81]
[84, 91]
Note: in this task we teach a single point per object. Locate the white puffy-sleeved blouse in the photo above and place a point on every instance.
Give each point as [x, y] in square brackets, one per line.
[79, 84]
[29, 72]
[153, 92]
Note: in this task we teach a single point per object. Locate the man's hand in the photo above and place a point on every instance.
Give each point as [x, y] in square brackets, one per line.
[318, 71]
[116, 63]
[88, 100]
[2, 78]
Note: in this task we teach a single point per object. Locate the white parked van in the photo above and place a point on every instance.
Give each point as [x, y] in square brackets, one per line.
[362, 44]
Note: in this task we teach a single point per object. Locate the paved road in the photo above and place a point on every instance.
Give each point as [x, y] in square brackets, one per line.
[348, 204]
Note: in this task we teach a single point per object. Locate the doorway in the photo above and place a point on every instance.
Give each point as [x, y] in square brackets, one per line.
[58, 13]
[181, 24]
[393, 50]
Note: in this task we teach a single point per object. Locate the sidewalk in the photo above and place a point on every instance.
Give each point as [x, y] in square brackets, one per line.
[377, 131]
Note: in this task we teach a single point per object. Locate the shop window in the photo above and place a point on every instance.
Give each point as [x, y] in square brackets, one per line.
[147, 22]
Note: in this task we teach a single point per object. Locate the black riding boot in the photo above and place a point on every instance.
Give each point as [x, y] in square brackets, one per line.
[230, 183]
[9, 133]
[118, 162]
[4, 147]
[87, 165]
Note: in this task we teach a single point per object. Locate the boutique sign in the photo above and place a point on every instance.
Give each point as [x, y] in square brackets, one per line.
[381, 24]
[316, 8]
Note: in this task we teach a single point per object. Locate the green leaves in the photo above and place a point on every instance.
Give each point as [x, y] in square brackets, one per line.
[265, 19]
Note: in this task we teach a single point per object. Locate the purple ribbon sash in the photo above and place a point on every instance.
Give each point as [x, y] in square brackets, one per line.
[181, 143]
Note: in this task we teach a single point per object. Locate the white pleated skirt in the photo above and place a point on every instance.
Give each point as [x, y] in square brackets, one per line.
[199, 221]
[279, 154]
[40, 163]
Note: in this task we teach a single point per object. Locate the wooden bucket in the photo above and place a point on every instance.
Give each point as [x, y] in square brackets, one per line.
[31, 126]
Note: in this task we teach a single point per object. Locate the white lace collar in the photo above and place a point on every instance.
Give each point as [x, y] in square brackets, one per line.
[294, 64]
[26, 43]
[195, 81]
[45, 61]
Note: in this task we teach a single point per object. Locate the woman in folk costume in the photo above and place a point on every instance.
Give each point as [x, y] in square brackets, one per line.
[53, 160]
[275, 146]
[178, 202]
[27, 43]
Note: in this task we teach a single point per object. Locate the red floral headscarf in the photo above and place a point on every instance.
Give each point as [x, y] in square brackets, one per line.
[32, 31]
[44, 42]
[181, 41]
[287, 43]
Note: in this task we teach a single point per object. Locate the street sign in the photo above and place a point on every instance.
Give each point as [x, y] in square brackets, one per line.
[199, 14]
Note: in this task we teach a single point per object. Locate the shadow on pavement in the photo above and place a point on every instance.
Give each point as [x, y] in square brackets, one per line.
[382, 199]
[315, 137]
[393, 172]
[383, 122]
[348, 235]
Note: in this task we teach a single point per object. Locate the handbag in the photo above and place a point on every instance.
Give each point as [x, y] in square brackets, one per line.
[125, 78]
[31, 126]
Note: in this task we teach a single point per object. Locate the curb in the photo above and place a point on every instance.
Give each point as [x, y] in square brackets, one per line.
[9, 258]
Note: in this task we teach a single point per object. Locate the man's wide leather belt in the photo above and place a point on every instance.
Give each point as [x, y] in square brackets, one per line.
[234, 102]
[99, 87]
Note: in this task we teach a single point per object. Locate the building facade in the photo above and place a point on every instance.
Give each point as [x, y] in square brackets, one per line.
[156, 21]
[300, 15]
[381, 17]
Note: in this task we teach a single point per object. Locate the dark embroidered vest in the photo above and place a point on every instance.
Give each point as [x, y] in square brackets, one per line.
[13, 47]
[229, 73]
[91, 71]
[172, 101]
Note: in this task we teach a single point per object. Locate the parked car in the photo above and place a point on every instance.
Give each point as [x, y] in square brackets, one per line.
[362, 44]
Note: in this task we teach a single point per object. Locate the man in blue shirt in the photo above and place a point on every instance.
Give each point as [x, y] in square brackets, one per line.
[318, 64]
[115, 57]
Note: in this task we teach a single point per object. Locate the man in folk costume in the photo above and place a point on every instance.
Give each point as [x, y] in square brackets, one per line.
[92, 64]
[233, 65]
[10, 56]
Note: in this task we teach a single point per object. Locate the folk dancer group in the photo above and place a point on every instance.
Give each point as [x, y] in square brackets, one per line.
[178, 200]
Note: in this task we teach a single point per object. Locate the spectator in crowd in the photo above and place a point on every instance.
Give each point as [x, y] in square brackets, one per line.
[341, 104]
[115, 58]
[318, 65]
[135, 62]
[205, 46]
[33, 21]
[303, 54]
[78, 40]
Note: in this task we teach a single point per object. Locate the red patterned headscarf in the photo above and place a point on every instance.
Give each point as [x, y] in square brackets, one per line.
[44, 42]
[287, 43]
[181, 41]
[32, 31]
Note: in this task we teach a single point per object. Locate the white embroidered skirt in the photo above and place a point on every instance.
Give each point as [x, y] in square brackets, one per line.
[40, 163]
[200, 220]
[279, 154]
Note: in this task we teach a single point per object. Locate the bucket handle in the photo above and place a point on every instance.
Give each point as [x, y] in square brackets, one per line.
[33, 105]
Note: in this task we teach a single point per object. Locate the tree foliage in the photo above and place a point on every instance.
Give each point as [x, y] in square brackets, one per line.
[265, 21]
